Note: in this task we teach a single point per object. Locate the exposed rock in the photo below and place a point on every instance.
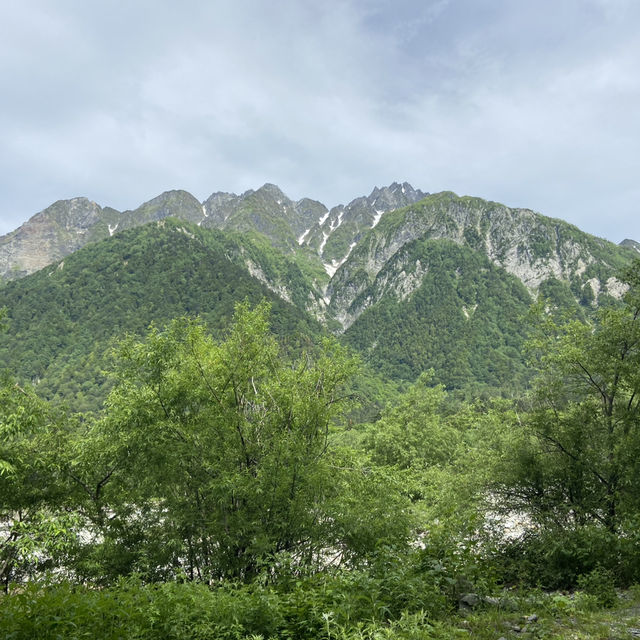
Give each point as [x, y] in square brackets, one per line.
[469, 601]
[526, 244]
[52, 234]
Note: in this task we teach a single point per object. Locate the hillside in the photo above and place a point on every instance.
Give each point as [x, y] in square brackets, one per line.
[411, 281]
[532, 247]
[64, 317]
[451, 310]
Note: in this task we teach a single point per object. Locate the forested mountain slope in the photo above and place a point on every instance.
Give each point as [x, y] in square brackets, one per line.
[412, 281]
[64, 317]
[532, 247]
[452, 310]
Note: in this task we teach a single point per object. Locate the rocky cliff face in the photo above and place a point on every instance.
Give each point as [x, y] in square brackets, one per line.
[337, 232]
[52, 234]
[267, 211]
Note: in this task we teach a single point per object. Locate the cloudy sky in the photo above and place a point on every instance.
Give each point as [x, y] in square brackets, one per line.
[533, 104]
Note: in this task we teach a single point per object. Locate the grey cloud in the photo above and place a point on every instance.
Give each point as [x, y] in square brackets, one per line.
[530, 104]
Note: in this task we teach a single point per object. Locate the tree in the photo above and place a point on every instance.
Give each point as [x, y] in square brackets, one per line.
[215, 453]
[578, 460]
[35, 527]
[414, 433]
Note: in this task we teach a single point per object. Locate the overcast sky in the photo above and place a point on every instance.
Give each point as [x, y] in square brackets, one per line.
[533, 104]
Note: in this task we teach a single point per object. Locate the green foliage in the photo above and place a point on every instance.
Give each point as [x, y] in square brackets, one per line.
[555, 558]
[572, 461]
[131, 610]
[35, 526]
[558, 295]
[337, 246]
[413, 433]
[577, 460]
[64, 318]
[214, 460]
[226, 471]
[599, 583]
[464, 321]
[3, 320]
[325, 606]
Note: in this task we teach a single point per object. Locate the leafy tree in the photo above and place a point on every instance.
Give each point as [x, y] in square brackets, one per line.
[28, 481]
[414, 437]
[216, 453]
[35, 528]
[578, 459]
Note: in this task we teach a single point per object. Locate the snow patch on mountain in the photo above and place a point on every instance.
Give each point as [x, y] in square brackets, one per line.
[332, 267]
[325, 237]
[377, 217]
[303, 236]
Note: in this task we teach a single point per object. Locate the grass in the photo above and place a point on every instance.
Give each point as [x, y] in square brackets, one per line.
[181, 611]
[553, 616]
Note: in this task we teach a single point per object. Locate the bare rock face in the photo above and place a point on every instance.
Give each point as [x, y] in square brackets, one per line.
[68, 225]
[52, 234]
[335, 233]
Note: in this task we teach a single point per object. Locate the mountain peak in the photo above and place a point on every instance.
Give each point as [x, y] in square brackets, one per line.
[627, 242]
[170, 196]
[177, 203]
[271, 189]
[51, 234]
[75, 212]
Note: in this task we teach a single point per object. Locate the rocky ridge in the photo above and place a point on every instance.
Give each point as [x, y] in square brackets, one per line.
[52, 234]
[67, 225]
[530, 246]
[342, 251]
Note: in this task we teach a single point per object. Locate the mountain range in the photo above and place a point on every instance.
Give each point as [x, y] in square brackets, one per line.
[411, 280]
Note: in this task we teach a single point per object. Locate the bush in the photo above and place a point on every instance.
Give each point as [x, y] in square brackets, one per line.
[393, 588]
[601, 584]
[133, 610]
[564, 558]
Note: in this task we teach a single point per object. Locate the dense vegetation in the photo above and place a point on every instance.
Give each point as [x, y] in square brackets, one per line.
[222, 492]
[65, 317]
[466, 319]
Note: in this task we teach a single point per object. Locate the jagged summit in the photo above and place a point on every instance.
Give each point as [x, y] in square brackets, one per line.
[67, 225]
[338, 231]
[53, 233]
[177, 203]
